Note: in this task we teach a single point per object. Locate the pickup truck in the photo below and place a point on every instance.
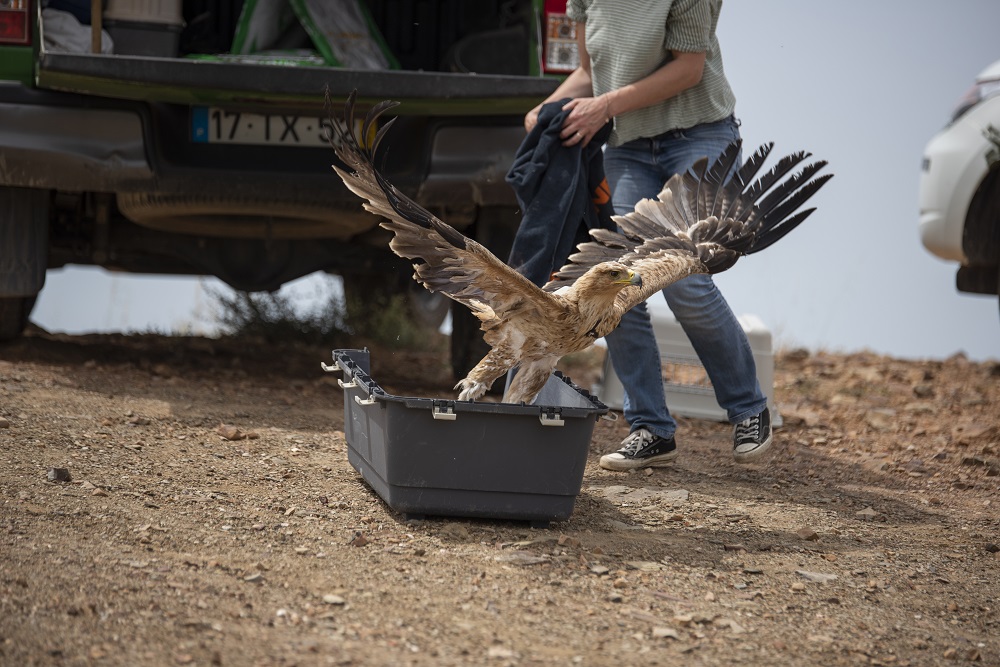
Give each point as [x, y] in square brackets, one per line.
[174, 155]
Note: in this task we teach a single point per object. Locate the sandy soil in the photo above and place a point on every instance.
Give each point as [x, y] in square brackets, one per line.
[211, 517]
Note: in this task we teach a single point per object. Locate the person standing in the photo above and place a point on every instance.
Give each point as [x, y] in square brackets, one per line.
[655, 68]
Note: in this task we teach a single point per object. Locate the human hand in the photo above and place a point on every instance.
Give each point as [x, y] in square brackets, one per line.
[531, 118]
[586, 116]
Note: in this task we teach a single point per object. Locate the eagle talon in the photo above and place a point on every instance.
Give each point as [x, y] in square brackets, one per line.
[471, 390]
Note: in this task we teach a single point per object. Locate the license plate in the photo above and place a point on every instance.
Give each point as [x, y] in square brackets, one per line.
[213, 125]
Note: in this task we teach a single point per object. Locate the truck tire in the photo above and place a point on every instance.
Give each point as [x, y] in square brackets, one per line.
[24, 251]
[14, 313]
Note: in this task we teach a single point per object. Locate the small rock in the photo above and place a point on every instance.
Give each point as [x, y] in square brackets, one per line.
[500, 652]
[974, 461]
[867, 514]
[599, 569]
[567, 541]
[993, 548]
[818, 577]
[59, 475]
[923, 390]
[333, 599]
[731, 624]
[254, 578]
[665, 633]
[798, 587]
[4, 423]
[99, 492]
[881, 419]
[230, 432]
[795, 416]
[456, 531]
[359, 540]
[807, 534]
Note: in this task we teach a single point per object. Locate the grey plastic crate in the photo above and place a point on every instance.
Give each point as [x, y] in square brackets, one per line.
[430, 456]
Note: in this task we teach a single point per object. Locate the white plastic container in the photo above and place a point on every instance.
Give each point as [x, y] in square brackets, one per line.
[688, 390]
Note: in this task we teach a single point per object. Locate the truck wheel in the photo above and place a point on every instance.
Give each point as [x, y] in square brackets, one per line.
[24, 251]
[14, 312]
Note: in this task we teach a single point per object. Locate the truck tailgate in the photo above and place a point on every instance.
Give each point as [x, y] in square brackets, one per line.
[183, 81]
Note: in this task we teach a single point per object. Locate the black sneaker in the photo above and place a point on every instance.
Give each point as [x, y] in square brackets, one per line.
[752, 437]
[641, 449]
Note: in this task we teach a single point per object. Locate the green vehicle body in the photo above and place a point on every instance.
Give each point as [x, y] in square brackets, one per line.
[99, 166]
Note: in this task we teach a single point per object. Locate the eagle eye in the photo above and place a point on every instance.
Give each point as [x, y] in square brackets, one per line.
[615, 273]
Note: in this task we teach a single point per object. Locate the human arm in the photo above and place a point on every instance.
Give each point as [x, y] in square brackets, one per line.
[589, 114]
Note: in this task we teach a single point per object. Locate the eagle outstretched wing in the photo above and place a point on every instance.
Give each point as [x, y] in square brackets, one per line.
[701, 222]
[451, 263]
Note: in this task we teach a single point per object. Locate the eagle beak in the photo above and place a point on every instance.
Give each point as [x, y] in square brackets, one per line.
[634, 279]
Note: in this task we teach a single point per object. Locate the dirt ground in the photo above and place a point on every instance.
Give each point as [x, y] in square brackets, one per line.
[212, 518]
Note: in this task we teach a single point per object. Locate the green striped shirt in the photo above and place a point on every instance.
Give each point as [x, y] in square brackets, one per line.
[629, 39]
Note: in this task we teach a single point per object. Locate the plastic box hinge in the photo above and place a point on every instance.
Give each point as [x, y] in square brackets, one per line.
[444, 410]
[551, 417]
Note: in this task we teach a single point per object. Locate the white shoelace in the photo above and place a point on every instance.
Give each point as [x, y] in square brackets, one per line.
[636, 441]
[749, 427]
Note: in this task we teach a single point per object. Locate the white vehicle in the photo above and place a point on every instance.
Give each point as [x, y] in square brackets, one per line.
[960, 188]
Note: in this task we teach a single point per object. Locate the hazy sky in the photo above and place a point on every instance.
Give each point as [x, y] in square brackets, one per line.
[863, 85]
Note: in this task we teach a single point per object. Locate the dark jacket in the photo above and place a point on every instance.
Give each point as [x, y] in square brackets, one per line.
[562, 193]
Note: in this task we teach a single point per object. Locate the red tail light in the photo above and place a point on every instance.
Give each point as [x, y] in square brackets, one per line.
[561, 54]
[15, 27]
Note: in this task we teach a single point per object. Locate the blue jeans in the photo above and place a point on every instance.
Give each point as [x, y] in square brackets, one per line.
[637, 170]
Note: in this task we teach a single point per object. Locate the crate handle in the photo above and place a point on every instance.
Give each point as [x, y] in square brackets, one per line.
[364, 401]
[347, 385]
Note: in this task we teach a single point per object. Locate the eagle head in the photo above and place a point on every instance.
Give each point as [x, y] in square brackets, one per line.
[618, 274]
[607, 279]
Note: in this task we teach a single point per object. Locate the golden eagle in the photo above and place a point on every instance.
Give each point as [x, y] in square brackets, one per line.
[699, 223]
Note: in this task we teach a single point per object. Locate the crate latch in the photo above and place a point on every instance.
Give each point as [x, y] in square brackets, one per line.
[551, 417]
[445, 411]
